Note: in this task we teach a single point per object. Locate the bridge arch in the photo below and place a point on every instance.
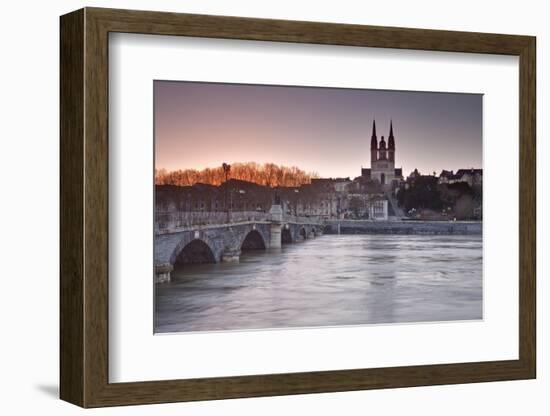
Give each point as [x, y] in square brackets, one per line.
[196, 250]
[253, 240]
[286, 235]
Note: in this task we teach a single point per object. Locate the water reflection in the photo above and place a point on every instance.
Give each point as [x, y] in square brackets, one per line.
[331, 280]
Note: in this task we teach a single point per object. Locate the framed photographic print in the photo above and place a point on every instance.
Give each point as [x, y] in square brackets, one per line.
[255, 207]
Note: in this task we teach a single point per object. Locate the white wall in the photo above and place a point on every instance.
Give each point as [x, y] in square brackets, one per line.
[29, 209]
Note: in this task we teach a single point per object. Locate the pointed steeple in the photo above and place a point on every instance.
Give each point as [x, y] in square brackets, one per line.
[373, 139]
[391, 139]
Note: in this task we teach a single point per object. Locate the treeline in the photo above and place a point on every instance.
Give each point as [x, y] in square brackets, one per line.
[457, 200]
[268, 174]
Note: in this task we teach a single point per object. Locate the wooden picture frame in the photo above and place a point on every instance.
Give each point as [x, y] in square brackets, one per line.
[84, 207]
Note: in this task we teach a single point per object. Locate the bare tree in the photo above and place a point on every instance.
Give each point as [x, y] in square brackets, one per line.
[268, 174]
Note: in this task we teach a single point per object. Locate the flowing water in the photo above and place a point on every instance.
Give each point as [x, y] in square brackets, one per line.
[327, 281]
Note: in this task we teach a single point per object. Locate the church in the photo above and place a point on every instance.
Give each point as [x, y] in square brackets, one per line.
[382, 161]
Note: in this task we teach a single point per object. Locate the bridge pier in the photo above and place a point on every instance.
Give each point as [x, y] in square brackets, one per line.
[231, 256]
[276, 235]
[276, 227]
[162, 272]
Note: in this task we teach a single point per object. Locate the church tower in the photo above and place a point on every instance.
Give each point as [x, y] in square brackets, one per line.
[373, 144]
[391, 144]
[382, 161]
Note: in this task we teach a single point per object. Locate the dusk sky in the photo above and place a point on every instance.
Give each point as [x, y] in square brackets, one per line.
[322, 130]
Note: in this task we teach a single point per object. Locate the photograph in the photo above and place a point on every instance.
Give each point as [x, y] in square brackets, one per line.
[300, 207]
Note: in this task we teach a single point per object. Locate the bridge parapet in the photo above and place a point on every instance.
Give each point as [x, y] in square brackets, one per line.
[294, 219]
[181, 220]
[165, 221]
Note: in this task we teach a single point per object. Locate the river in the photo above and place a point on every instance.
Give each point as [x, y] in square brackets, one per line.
[331, 280]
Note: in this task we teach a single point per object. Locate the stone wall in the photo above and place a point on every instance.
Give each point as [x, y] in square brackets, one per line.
[404, 227]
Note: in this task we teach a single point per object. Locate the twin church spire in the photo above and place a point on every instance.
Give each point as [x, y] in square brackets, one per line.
[378, 150]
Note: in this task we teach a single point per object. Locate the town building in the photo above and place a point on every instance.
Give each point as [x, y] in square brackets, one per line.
[471, 176]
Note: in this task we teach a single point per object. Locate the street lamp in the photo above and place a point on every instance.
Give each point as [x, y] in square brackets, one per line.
[227, 170]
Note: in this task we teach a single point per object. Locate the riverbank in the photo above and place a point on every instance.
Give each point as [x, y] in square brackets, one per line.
[404, 227]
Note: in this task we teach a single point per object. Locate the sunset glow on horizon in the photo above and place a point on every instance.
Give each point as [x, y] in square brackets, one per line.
[321, 130]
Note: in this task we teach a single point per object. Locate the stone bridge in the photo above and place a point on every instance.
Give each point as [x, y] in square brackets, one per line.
[178, 242]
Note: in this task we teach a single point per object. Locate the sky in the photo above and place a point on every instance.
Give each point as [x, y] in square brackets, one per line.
[322, 130]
